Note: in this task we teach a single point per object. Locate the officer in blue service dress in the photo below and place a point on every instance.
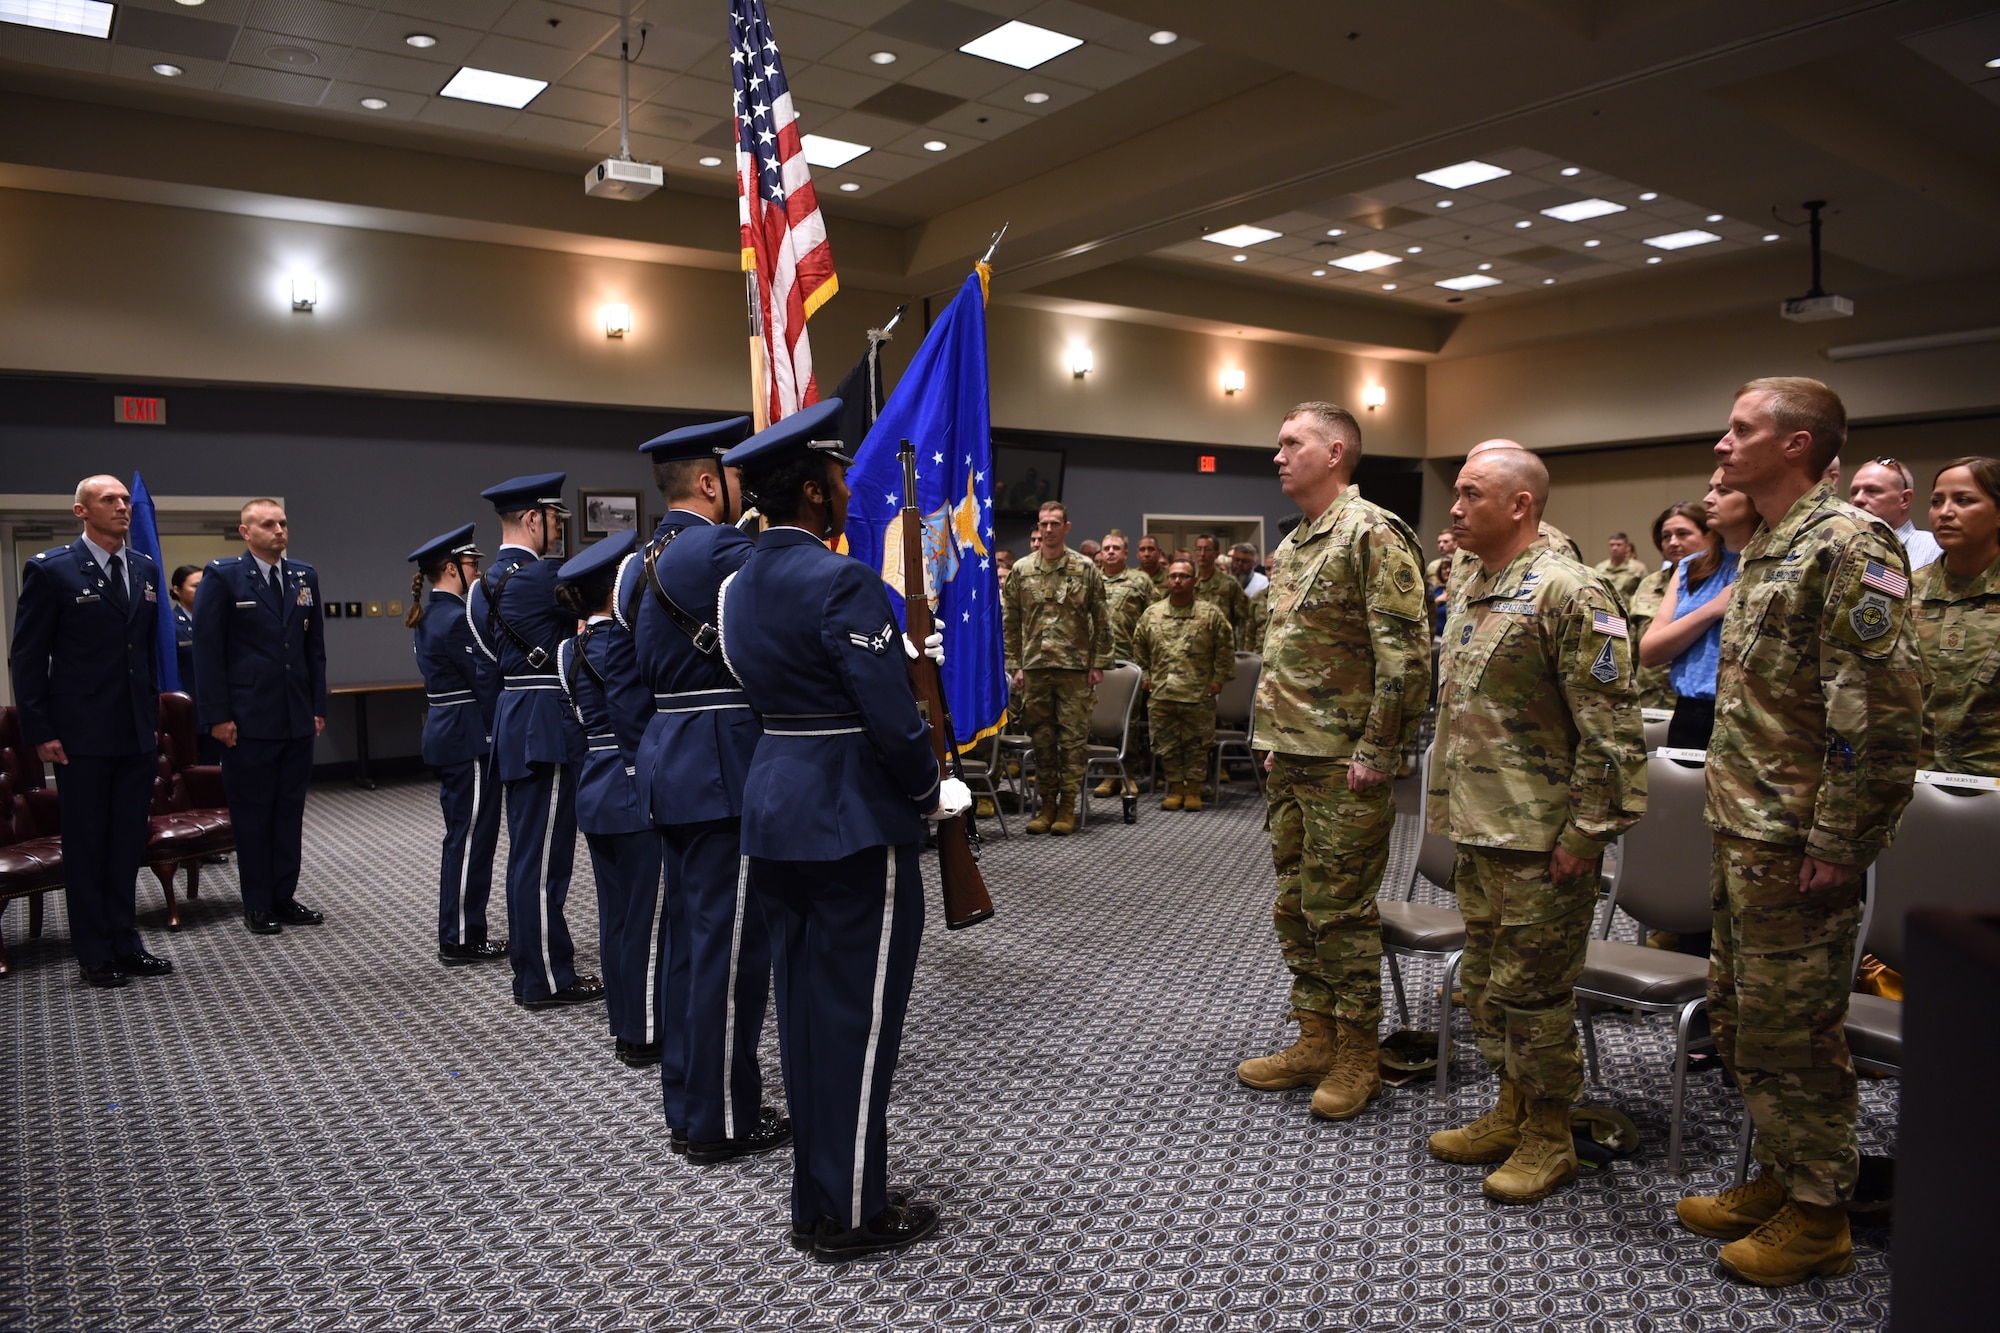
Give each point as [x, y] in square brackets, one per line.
[461, 691]
[833, 809]
[537, 744]
[260, 673]
[85, 662]
[599, 671]
[692, 764]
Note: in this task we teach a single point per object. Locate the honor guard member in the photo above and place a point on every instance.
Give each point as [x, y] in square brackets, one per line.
[692, 763]
[1539, 764]
[537, 744]
[85, 662]
[1818, 721]
[1058, 642]
[260, 664]
[1345, 684]
[833, 812]
[1186, 650]
[599, 671]
[461, 691]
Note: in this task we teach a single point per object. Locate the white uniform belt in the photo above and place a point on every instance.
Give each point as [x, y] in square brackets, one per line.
[698, 701]
[812, 724]
[551, 681]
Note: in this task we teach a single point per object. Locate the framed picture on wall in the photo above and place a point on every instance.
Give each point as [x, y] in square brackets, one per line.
[602, 514]
[1023, 478]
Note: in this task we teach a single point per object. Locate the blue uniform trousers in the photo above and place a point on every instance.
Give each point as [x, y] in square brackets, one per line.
[724, 982]
[465, 867]
[265, 784]
[105, 799]
[541, 850]
[844, 953]
[631, 899]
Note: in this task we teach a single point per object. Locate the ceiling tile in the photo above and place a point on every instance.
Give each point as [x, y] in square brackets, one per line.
[461, 115]
[550, 130]
[345, 96]
[982, 121]
[1092, 25]
[136, 62]
[566, 103]
[61, 50]
[669, 122]
[910, 103]
[1092, 66]
[528, 60]
[967, 76]
[858, 127]
[177, 34]
[688, 93]
[564, 26]
[273, 85]
[860, 13]
[232, 12]
[599, 74]
[325, 20]
[853, 55]
[385, 32]
[1009, 95]
[403, 73]
[911, 143]
[802, 36]
[300, 55]
[480, 14]
[939, 24]
[833, 86]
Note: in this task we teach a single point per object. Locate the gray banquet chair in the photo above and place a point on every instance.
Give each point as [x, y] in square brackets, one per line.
[1419, 930]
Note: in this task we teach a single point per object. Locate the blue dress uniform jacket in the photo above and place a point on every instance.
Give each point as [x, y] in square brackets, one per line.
[698, 744]
[184, 647]
[86, 670]
[533, 724]
[259, 663]
[845, 761]
[461, 684]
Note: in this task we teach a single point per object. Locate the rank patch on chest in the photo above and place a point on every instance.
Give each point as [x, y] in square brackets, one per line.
[876, 643]
[1870, 616]
[1952, 640]
[1606, 623]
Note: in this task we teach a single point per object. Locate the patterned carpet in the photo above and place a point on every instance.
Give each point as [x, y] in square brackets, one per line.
[328, 1130]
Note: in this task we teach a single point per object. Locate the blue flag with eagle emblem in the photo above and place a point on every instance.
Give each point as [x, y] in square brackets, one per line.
[940, 406]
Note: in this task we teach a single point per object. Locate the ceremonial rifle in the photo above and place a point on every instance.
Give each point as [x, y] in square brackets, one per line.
[966, 902]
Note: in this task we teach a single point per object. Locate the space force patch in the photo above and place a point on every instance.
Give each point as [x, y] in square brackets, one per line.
[1605, 669]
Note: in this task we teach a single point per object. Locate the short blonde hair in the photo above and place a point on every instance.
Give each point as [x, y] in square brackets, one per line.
[243, 514]
[1795, 403]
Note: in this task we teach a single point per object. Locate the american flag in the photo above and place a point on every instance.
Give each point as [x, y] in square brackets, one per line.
[1606, 623]
[784, 237]
[1888, 580]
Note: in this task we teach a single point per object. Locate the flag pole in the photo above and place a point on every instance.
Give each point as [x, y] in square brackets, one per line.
[987, 258]
[760, 399]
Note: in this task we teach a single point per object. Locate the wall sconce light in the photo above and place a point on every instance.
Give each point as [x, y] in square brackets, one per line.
[1233, 381]
[1374, 396]
[1080, 361]
[617, 320]
[305, 293]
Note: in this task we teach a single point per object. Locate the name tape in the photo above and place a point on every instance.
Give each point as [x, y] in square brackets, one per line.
[1656, 714]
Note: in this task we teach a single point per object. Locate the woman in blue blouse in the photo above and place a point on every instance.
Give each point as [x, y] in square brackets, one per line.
[1687, 633]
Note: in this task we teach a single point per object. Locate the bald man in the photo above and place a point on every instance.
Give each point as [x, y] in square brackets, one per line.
[1463, 564]
[1539, 764]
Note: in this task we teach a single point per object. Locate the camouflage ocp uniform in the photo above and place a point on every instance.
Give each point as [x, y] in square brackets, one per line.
[1127, 594]
[1159, 581]
[1057, 631]
[1958, 630]
[1538, 746]
[1465, 564]
[1656, 685]
[1622, 579]
[1222, 591]
[1183, 650]
[1259, 623]
[1818, 720]
[1346, 678]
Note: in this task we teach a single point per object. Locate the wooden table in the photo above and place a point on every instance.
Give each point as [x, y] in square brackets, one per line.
[361, 690]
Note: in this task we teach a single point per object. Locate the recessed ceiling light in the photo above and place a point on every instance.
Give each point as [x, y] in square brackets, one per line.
[1164, 38]
[423, 41]
[375, 103]
[82, 18]
[1319, 273]
[1771, 236]
[1335, 231]
[166, 71]
[1681, 240]
[1022, 45]
[935, 145]
[1444, 203]
[1388, 286]
[822, 151]
[848, 187]
[1583, 210]
[191, 3]
[1572, 171]
[1242, 234]
[1484, 267]
[1365, 261]
[1414, 250]
[1461, 174]
[484, 85]
[881, 57]
[1467, 283]
[1994, 63]
[1653, 259]
[1237, 259]
[711, 161]
[1034, 99]
[1592, 245]
[1714, 217]
[1649, 196]
[1548, 282]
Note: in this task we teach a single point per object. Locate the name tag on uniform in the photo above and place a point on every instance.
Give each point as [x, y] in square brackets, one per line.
[249, 603]
[88, 597]
[1519, 606]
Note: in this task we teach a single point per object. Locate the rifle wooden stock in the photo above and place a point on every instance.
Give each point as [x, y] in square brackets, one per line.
[966, 902]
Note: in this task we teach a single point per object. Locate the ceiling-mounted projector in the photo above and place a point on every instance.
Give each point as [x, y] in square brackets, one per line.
[622, 178]
[1815, 305]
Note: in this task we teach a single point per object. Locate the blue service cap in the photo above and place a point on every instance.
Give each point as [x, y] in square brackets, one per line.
[600, 556]
[541, 491]
[703, 441]
[815, 429]
[451, 545]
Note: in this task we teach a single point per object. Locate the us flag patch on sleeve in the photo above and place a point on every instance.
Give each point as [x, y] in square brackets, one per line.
[1607, 624]
[1892, 581]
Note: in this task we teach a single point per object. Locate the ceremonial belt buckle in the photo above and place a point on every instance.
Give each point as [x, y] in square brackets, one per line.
[538, 658]
[706, 639]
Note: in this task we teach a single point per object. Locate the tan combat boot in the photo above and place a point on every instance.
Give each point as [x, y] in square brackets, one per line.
[1734, 1213]
[1108, 787]
[1491, 1138]
[1355, 1077]
[1046, 816]
[1306, 1061]
[1544, 1162]
[1191, 796]
[1172, 800]
[1801, 1240]
[1065, 822]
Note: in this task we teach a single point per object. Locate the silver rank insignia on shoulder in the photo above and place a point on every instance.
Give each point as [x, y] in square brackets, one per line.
[878, 643]
[1605, 669]
[1870, 617]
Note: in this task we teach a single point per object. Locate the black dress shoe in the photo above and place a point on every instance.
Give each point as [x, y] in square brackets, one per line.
[584, 990]
[105, 976]
[771, 1131]
[143, 964]
[896, 1227]
[678, 1141]
[637, 1054]
[296, 913]
[260, 923]
[802, 1237]
[460, 955]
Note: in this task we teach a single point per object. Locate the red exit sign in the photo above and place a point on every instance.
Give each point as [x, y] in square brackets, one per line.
[1207, 463]
[129, 411]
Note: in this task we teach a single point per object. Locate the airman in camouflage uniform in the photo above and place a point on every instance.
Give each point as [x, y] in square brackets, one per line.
[1058, 642]
[1345, 683]
[1539, 763]
[1818, 719]
[1958, 628]
[1216, 585]
[1185, 648]
[1622, 572]
[1655, 684]
[1127, 594]
[1153, 564]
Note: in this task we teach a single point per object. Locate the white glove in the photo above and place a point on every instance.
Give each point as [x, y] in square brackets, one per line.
[933, 648]
[954, 799]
